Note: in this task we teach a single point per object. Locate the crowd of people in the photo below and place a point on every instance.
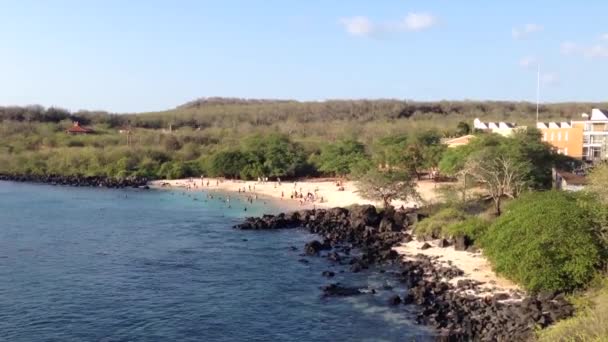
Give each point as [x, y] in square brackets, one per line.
[249, 194]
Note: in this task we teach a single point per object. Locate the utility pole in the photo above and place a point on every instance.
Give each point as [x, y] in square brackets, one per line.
[537, 91]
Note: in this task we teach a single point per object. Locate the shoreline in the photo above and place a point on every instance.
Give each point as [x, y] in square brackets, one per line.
[458, 306]
[325, 191]
[475, 266]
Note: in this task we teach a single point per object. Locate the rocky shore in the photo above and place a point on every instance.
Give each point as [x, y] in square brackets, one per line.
[359, 238]
[92, 181]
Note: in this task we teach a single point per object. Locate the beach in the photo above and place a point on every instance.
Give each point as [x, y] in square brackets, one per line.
[474, 265]
[326, 192]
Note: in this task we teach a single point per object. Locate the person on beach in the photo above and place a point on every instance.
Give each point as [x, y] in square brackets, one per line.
[282, 195]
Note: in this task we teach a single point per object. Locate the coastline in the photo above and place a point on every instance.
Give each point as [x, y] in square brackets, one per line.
[474, 265]
[326, 193]
[457, 305]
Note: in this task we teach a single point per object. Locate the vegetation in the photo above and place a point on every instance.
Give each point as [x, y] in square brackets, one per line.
[598, 182]
[473, 228]
[387, 186]
[590, 324]
[342, 158]
[544, 241]
[435, 225]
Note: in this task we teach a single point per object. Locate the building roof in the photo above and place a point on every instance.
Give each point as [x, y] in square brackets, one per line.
[545, 125]
[572, 179]
[598, 115]
[76, 128]
[478, 124]
[459, 141]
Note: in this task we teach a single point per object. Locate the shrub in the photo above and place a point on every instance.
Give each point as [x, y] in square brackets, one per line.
[473, 228]
[590, 322]
[544, 241]
[434, 225]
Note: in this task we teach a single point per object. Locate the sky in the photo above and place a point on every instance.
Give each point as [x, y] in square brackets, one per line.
[134, 56]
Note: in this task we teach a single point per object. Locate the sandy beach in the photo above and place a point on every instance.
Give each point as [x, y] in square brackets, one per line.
[474, 265]
[325, 191]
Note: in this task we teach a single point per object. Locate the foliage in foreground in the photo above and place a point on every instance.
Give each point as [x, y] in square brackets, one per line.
[434, 225]
[590, 324]
[387, 186]
[544, 241]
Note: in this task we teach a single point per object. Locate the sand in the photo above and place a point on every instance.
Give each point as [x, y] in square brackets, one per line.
[474, 265]
[324, 189]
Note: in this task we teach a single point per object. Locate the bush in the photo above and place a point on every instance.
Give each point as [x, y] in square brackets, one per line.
[544, 241]
[473, 228]
[434, 226]
[590, 322]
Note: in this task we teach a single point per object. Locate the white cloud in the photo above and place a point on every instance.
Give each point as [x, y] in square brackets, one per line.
[596, 51]
[358, 26]
[362, 26]
[525, 31]
[528, 62]
[418, 21]
[599, 50]
[604, 36]
[568, 48]
[549, 78]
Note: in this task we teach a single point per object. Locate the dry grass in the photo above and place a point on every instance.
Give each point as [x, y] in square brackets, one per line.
[590, 323]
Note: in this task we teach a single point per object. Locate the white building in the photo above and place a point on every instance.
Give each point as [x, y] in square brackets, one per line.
[595, 134]
[502, 128]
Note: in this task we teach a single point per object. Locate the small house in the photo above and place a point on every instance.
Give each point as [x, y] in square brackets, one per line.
[77, 129]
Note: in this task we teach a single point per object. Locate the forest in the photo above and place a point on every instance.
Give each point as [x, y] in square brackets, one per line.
[243, 138]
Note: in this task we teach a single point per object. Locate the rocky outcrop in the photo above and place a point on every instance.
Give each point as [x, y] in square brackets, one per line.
[90, 181]
[455, 311]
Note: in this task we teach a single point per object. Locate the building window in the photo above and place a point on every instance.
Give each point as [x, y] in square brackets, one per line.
[596, 152]
[551, 136]
[565, 151]
[566, 137]
[545, 136]
[559, 136]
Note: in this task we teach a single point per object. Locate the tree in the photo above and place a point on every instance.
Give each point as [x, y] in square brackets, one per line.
[387, 186]
[598, 182]
[463, 128]
[227, 164]
[340, 158]
[500, 175]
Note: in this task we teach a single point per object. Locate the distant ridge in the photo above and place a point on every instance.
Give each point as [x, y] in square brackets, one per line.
[215, 101]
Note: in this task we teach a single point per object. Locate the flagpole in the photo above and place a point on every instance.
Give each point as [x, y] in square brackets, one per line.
[537, 90]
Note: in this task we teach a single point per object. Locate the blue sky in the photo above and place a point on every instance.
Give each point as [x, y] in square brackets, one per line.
[129, 56]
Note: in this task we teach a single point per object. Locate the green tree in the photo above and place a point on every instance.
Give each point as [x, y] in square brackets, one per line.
[463, 128]
[228, 164]
[340, 158]
[387, 186]
[500, 175]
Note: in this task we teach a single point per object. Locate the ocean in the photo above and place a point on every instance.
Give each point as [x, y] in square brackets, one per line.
[85, 264]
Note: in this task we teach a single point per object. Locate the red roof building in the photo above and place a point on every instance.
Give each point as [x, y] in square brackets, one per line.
[77, 129]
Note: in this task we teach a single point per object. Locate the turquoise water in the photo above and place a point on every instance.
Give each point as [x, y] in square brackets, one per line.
[82, 264]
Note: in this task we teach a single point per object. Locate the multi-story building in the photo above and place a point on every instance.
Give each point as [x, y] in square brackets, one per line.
[567, 139]
[595, 134]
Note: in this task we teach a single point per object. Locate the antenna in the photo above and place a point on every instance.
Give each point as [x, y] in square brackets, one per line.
[537, 90]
